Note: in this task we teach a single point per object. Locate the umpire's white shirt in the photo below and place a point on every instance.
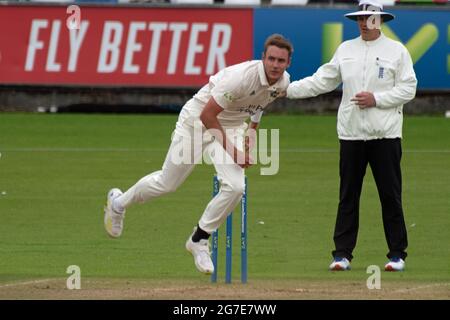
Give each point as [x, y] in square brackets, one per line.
[241, 90]
[383, 67]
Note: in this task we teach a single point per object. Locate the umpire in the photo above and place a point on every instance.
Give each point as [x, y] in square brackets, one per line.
[378, 78]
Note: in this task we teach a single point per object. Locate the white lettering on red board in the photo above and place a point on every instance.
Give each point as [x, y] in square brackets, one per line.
[119, 43]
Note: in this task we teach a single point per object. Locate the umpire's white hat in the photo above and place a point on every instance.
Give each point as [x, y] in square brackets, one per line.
[368, 8]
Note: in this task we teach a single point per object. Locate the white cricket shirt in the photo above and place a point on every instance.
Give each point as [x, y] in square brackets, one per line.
[242, 90]
[383, 67]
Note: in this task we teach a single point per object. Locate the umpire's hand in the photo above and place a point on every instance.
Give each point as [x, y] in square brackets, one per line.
[364, 100]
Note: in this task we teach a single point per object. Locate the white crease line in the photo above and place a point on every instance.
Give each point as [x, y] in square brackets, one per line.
[337, 151]
[423, 287]
[293, 150]
[25, 283]
[79, 150]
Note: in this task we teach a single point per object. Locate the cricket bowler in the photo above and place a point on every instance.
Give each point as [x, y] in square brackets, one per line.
[221, 108]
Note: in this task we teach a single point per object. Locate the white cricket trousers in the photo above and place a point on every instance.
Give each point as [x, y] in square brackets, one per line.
[173, 174]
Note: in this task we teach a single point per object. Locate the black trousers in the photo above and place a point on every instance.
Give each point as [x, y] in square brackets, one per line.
[384, 157]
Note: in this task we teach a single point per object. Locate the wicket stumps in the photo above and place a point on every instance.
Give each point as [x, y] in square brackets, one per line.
[229, 239]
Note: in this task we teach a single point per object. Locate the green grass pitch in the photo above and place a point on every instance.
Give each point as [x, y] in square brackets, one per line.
[55, 171]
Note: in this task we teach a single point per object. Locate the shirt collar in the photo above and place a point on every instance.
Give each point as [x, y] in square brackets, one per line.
[262, 74]
[374, 42]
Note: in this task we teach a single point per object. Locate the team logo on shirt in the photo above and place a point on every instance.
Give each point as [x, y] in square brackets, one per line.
[251, 109]
[381, 73]
[274, 94]
[380, 69]
[228, 96]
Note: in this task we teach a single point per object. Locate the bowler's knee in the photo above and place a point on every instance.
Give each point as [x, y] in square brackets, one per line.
[159, 183]
[237, 189]
[168, 187]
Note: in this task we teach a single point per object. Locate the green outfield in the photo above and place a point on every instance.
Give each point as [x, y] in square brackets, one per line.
[55, 171]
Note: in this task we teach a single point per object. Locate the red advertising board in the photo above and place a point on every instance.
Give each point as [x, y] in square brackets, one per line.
[127, 46]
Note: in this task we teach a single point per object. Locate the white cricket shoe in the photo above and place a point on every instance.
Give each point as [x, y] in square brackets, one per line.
[395, 264]
[202, 256]
[340, 264]
[113, 220]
